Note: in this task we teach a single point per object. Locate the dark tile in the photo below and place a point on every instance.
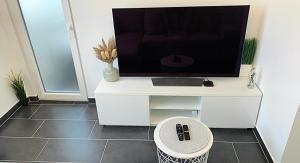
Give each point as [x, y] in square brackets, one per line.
[25, 149]
[90, 113]
[249, 153]
[25, 111]
[222, 152]
[9, 112]
[234, 135]
[59, 112]
[19, 127]
[119, 132]
[80, 102]
[125, 151]
[65, 129]
[151, 132]
[73, 151]
[50, 102]
[263, 146]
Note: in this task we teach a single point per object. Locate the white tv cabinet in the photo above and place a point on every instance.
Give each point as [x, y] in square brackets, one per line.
[136, 102]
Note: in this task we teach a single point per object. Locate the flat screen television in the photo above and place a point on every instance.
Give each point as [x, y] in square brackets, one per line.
[204, 41]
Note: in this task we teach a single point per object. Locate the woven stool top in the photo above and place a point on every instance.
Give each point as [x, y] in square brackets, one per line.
[166, 138]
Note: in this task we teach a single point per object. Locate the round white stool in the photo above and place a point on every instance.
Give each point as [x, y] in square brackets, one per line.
[171, 150]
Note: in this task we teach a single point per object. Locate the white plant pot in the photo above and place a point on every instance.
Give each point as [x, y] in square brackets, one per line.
[245, 70]
[110, 73]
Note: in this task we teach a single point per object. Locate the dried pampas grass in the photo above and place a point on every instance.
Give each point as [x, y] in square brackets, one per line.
[106, 52]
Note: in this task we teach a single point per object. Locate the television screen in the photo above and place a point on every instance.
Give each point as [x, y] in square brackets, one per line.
[204, 41]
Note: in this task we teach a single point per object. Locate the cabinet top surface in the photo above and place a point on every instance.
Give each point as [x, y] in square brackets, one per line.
[143, 86]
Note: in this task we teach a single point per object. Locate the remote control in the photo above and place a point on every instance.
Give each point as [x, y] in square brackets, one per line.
[179, 131]
[179, 128]
[185, 128]
[187, 136]
[180, 137]
[186, 132]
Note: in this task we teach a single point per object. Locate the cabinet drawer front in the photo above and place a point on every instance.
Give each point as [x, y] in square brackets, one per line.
[230, 112]
[123, 110]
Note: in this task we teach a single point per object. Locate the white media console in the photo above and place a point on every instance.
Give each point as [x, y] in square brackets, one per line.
[136, 102]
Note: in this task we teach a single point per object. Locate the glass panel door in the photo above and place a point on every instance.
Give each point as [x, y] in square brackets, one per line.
[48, 34]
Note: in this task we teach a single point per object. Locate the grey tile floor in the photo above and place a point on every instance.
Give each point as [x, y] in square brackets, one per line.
[71, 133]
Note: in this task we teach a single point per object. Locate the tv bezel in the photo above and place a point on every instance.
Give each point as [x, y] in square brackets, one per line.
[238, 63]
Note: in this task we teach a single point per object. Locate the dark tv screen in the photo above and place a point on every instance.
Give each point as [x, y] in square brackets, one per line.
[204, 41]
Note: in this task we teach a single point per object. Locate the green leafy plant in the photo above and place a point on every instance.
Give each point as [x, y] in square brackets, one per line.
[249, 51]
[17, 84]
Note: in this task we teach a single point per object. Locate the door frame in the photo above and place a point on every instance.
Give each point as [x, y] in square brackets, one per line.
[24, 41]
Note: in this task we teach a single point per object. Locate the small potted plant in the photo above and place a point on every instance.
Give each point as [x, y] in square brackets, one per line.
[249, 51]
[108, 53]
[17, 84]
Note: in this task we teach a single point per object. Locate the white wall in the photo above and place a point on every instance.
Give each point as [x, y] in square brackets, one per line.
[93, 20]
[278, 60]
[11, 58]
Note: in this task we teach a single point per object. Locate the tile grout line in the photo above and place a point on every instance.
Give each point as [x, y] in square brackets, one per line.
[103, 151]
[19, 118]
[41, 150]
[237, 157]
[22, 137]
[71, 104]
[92, 130]
[74, 138]
[38, 161]
[56, 119]
[121, 139]
[35, 112]
[38, 128]
[10, 116]
[34, 104]
[29, 119]
[14, 112]
[260, 147]
[217, 141]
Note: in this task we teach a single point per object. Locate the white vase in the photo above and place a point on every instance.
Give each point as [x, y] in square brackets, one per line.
[110, 73]
[251, 80]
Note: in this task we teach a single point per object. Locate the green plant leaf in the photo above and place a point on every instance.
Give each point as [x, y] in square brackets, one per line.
[249, 51]
[16, 83]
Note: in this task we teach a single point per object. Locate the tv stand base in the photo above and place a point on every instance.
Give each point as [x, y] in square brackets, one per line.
[136, 102]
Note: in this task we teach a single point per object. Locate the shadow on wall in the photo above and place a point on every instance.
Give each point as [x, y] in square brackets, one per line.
[260, 28]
